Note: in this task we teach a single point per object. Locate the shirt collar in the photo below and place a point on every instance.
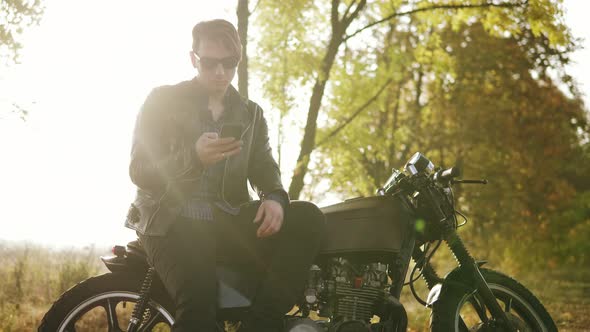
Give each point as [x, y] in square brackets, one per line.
[236, 106]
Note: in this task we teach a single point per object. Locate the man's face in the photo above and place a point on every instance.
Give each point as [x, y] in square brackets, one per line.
[216, 65]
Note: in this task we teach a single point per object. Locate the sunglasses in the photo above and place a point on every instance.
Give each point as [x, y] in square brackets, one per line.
[229, 62]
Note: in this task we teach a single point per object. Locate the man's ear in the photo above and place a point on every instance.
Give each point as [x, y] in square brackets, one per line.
[194, 60]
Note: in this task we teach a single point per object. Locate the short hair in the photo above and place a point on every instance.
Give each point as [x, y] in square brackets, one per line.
[220, 30]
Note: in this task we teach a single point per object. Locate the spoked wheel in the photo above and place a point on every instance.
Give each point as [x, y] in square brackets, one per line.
[461, 311]
[105, 303]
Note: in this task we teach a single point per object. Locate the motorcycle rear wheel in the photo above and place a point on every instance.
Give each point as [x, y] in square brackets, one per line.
[102, 302]
[458, 310]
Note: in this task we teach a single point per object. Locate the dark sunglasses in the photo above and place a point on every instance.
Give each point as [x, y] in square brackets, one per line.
[229, 62]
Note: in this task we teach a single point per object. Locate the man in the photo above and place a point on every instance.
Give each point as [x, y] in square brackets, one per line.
[193, 199]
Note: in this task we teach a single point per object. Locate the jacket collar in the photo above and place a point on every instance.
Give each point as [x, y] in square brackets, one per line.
[237, 105]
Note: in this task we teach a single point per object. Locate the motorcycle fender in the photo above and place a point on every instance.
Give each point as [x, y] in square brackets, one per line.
[454, 279]
[123, 264]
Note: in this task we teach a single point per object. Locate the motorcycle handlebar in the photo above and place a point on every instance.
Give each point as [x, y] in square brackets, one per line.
[444, 176]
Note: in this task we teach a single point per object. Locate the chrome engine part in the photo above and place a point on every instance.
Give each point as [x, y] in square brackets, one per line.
[344, 291]
[355, 303]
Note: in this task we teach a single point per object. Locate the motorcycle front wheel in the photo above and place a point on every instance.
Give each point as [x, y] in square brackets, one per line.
[459, 310]
[106, 302]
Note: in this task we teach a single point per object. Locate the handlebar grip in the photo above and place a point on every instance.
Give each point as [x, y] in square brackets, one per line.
[448, 174]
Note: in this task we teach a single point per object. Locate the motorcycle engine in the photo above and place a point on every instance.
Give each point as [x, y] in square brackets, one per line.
[345, 291]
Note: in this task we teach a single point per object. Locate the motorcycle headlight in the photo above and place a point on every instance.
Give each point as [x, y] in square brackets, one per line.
[419, 164]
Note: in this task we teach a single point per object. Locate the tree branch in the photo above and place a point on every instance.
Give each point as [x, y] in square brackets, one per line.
[348, 9]
[348, 19]
[334, 19]
[435, 7]
[254, 9]
[355, 114]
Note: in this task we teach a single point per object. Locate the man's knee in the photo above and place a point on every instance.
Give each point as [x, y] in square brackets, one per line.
[306, 217]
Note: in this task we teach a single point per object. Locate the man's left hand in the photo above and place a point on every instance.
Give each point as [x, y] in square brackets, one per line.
[271, 214]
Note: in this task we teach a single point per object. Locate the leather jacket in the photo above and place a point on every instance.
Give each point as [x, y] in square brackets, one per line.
[164, 163]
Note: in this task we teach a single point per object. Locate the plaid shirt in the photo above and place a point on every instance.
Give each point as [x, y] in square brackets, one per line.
[208, 188]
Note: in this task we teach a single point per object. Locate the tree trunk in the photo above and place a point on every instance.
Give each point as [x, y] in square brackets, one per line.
[339, 26]
[243, 15]
[308, 142]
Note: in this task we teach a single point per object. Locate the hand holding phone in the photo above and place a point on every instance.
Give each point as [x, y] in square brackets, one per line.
[231, 130]
[211, 148]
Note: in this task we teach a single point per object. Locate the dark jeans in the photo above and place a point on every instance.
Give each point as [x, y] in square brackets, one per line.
[186, 256]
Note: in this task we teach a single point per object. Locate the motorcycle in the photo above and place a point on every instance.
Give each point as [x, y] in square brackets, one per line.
[356, 281]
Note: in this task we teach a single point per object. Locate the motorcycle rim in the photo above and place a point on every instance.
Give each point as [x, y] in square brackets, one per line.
[520, 312]
[462, 310]
[106, 302]
[109, 301]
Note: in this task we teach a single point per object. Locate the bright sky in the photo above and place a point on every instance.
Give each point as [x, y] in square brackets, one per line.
[88, 68]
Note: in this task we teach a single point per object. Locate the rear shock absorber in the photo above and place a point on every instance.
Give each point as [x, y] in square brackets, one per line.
[138, 311]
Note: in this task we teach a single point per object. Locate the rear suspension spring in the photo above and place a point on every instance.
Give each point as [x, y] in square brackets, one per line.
[138, 311]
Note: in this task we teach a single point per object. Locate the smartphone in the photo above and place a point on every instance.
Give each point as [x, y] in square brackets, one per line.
[231, 130]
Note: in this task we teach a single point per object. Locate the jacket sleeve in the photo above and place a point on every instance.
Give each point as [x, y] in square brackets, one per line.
[263, 170]
[156, 158]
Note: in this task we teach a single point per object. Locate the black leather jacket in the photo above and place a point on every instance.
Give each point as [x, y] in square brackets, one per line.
[164, 163]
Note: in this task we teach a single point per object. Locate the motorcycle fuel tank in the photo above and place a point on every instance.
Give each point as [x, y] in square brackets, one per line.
[367, 224]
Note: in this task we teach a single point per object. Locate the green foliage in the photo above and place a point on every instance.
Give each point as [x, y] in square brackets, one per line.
[15, 16]
[570, 230]
[285, 51]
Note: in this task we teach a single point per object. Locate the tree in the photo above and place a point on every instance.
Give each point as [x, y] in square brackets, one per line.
[15, 16]
[286, 59]
[466, 97]
[331, 24]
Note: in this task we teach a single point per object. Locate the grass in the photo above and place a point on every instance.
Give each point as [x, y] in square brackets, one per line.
[566, 295]
[32, 277]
